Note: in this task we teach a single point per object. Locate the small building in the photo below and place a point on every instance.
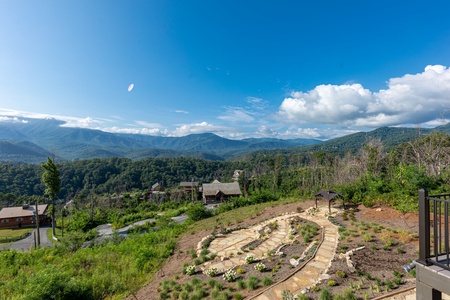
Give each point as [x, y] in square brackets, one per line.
[217, 192]
[156, 187]
[189, 186]
[13, 217]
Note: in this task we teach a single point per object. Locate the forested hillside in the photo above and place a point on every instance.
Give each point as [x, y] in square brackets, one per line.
[369, 173]
[112, 191]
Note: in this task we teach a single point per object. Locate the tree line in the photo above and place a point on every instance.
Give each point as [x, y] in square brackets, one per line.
[371, 174]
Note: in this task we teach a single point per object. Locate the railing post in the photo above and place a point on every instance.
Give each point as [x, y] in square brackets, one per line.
[424, 227]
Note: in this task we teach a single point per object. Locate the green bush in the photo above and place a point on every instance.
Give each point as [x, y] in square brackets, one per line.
[341, 274]
[325, 294]
[197, 212]
[331, 283]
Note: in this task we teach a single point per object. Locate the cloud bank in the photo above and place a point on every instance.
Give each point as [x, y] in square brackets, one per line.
[327, 111]
[410, 99]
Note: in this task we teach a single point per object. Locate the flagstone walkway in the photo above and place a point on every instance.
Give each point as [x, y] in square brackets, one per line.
[314, 270]
[227, 248]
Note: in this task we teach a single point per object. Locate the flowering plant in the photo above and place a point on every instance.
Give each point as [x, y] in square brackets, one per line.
[249, 259]
[260, 267]
[190, 270]
[211, 272]
[230, 275]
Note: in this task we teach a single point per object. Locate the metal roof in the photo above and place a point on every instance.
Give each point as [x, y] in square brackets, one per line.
[188, 183]
[210, 189]
[22, 211]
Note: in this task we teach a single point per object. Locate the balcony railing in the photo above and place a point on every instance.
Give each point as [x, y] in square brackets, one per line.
[434, 229]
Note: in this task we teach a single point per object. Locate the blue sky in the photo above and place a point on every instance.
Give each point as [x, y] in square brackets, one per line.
[283, 69]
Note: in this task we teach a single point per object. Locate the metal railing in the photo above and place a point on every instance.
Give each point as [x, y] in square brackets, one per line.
[434, 248]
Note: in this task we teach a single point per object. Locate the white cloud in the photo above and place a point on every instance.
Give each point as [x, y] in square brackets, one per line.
[202, 127]
[254, 100]
[7, 119]
[146, 131]
[147, 124]
[236, 114]
[415, 99]
[328, 104]
[181, 111]
[82, 122]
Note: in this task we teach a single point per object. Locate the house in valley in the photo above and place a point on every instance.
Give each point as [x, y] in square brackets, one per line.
[189, 186]
[14, 217]
[217, 192]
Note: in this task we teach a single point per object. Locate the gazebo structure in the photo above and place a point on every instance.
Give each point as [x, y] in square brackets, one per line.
[330, 196]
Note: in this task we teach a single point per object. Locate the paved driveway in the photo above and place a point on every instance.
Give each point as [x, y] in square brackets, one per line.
[28, 242]
[104, 231]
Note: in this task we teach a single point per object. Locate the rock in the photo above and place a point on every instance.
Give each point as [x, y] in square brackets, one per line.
[293, 262]
[324, 277]
[378, 209]
[224, 258]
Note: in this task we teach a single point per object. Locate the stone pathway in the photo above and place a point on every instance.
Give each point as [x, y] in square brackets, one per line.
[315, 269]
[227, 248]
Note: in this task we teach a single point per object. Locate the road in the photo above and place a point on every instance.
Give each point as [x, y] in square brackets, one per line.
[104, 231]
[28, 242]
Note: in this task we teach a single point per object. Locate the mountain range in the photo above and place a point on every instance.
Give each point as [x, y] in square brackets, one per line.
[33, 140]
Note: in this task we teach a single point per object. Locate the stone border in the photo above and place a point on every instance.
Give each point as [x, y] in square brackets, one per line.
[295, 270]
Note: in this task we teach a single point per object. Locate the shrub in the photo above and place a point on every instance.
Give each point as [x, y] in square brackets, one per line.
[267, 281]
[211, 272]
[325, 295]
[252, 282]
[260, 267]
[197, 212]
[367, 237]
[241, 284]
[341, 274]
[390, 285]
[349, 295]
[230, 275]
[249, 259]
[240, 271]
[190, 270]
[238, 296]
[287, 295]
[212, 283]
[331, 283]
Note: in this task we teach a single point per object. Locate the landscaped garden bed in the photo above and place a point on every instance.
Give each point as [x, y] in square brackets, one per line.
[377, 267]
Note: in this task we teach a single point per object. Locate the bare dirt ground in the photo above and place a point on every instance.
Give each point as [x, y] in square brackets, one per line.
[393, 244]
[390, 241]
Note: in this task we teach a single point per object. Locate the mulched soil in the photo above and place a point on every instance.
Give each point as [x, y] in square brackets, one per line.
[379, 265]
[376, 268]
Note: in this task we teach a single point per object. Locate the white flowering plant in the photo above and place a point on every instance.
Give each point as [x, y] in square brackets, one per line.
[260, 267]
[230, 275]
[249, 259]
[211, 272]
[190, 270]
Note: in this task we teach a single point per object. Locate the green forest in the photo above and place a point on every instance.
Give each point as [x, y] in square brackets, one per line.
[114, 190]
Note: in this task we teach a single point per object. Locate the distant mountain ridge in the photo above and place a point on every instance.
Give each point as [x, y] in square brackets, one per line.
[32, 140]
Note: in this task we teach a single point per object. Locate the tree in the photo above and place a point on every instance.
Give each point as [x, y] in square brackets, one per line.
[52, 182]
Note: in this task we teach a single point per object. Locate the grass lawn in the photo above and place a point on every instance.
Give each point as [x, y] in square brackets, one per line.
[236, 215]
[49, 234]
[13, 233]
